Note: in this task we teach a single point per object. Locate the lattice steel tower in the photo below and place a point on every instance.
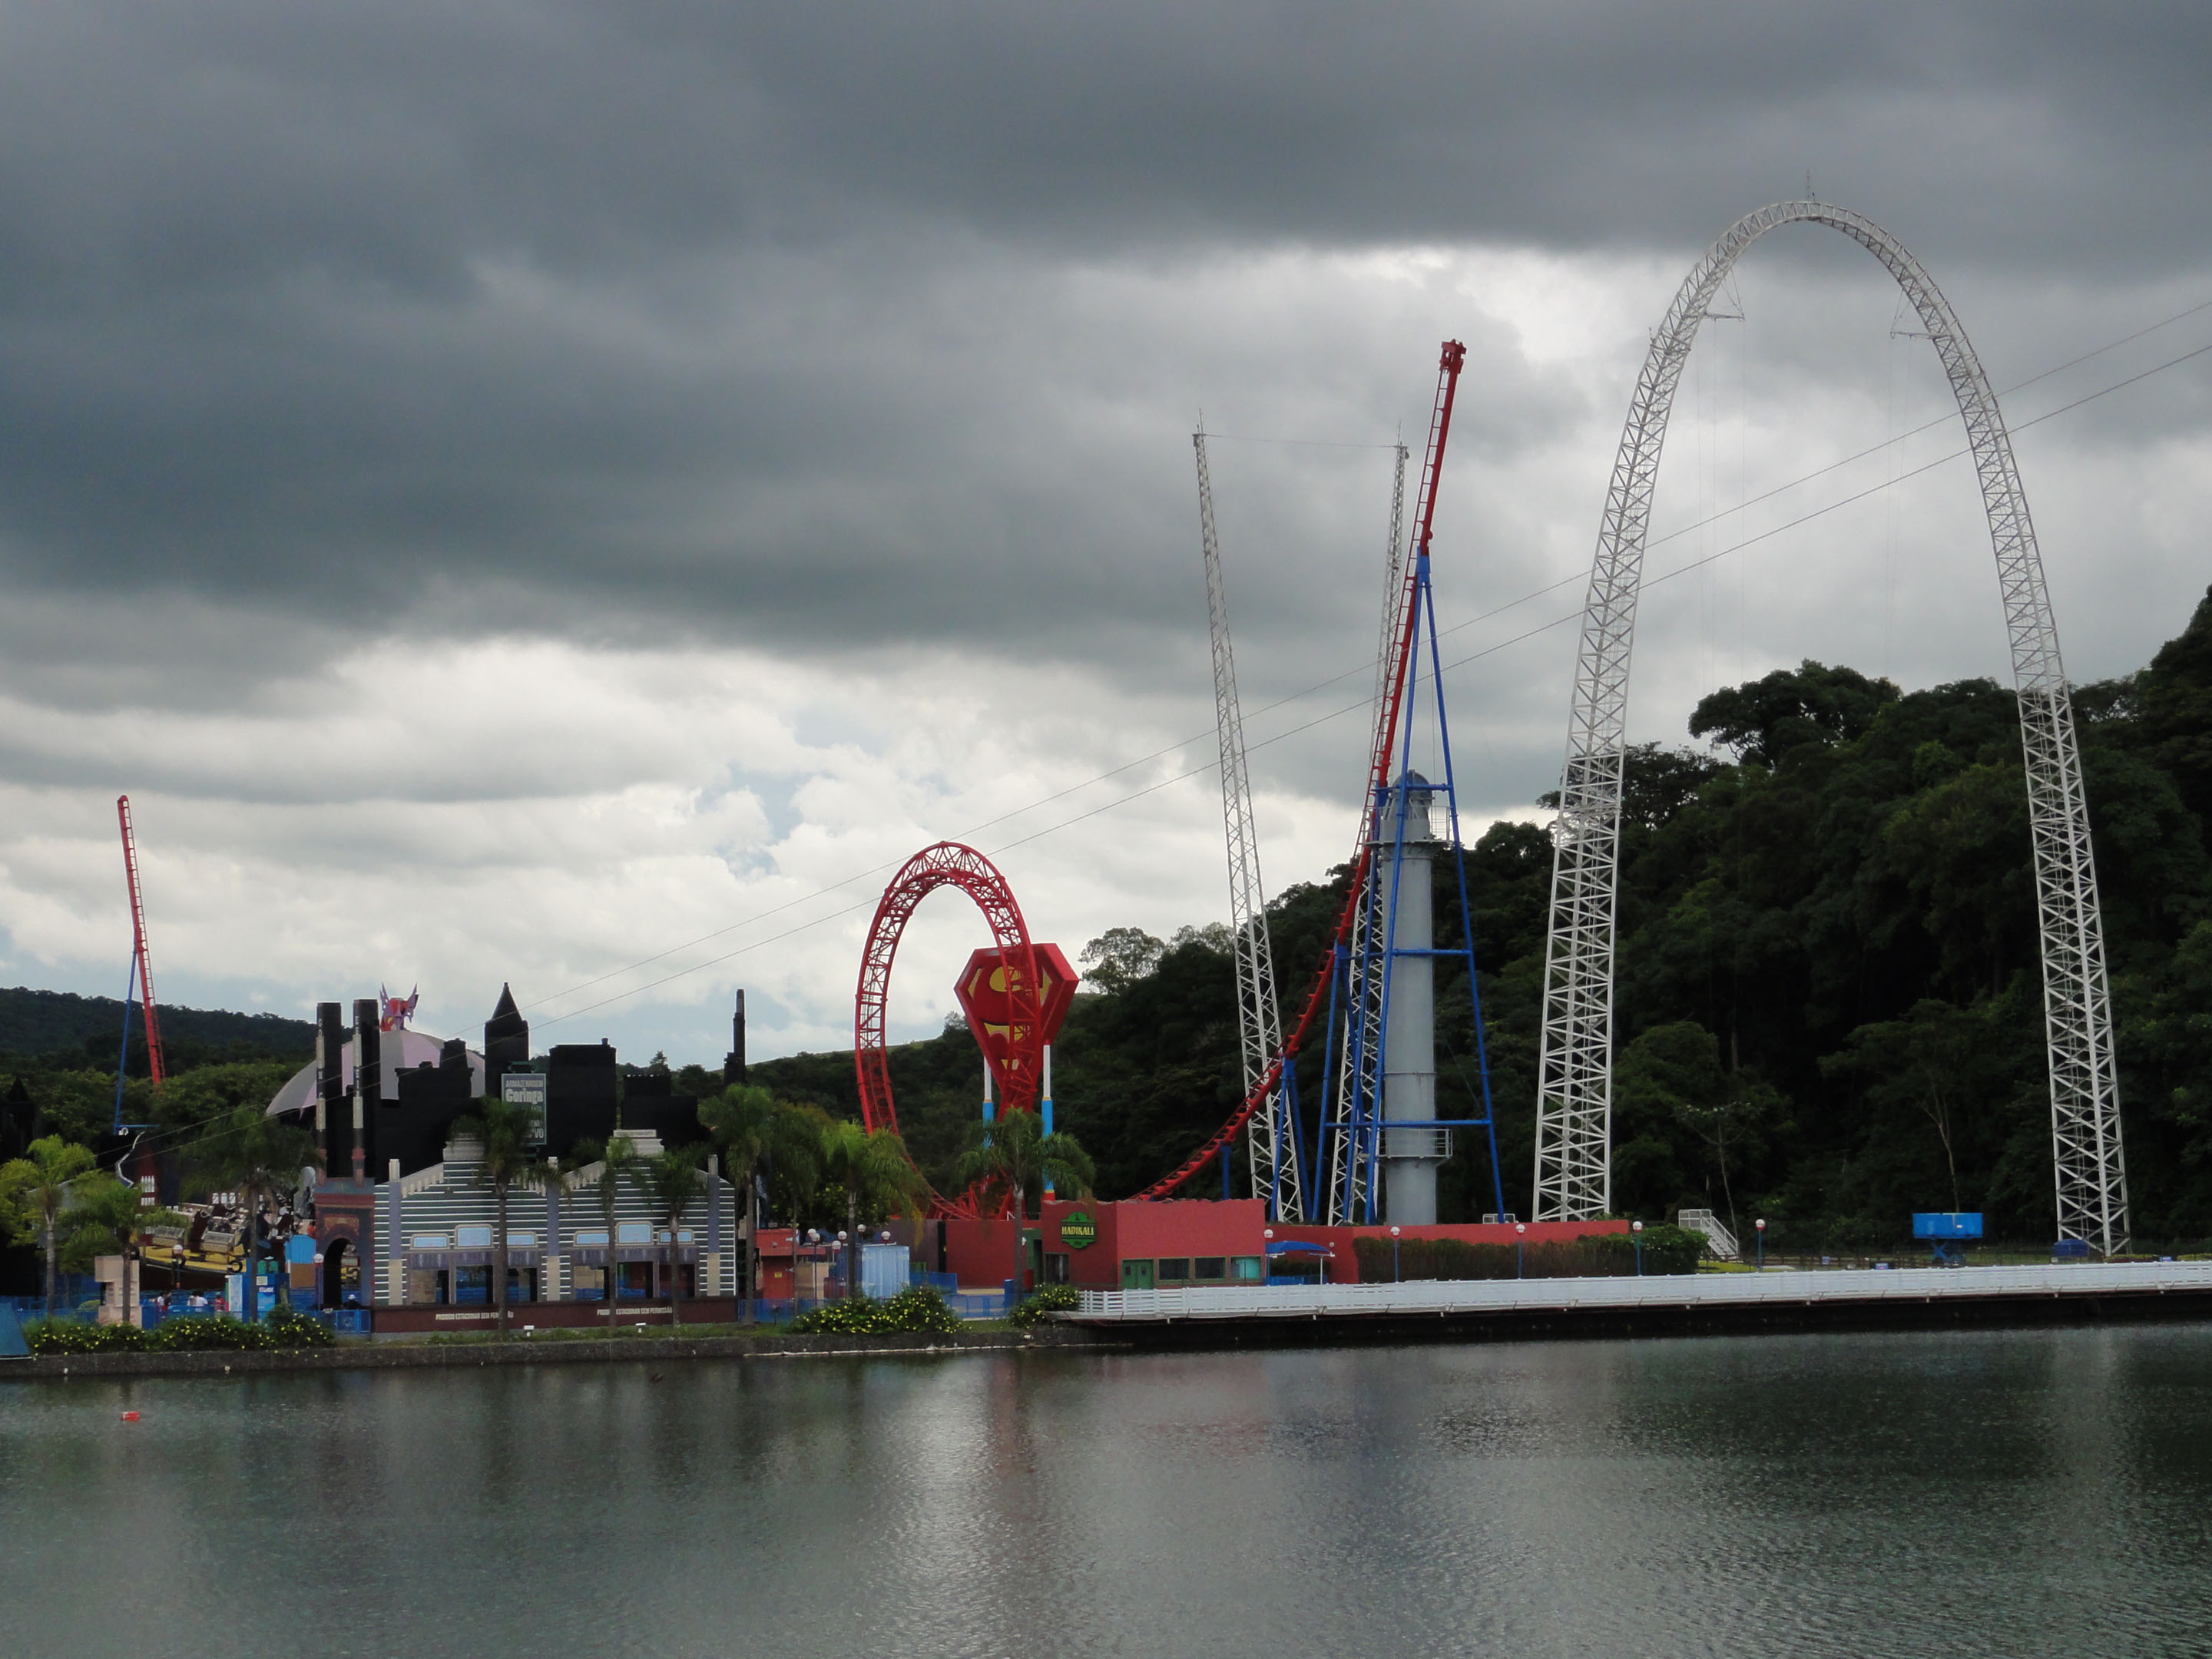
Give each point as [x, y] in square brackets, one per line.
[1271, 1138]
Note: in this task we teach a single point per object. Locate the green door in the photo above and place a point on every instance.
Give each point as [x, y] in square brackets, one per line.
[1136, 1275]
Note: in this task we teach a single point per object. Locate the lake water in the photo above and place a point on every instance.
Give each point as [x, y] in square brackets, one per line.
[1991, 1492]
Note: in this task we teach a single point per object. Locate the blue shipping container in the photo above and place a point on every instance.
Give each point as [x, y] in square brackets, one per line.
[1946, 1224]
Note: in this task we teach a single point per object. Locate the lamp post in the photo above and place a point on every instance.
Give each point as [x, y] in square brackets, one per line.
[1636, 1232]
[1394, 1256]
[1520, 1249]
[1760, 1227]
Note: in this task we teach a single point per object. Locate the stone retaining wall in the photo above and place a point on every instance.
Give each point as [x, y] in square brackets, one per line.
[526, 1350]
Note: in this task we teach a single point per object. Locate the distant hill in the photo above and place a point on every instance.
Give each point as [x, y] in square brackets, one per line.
[47, 1022]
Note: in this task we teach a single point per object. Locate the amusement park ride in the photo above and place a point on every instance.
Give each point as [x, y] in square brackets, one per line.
[1378, 1143]
[141, 972]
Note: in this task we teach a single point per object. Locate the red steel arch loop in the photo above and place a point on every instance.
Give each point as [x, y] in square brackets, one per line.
[948, 864]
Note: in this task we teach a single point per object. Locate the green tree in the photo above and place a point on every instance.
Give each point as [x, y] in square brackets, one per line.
[1677, 1068]
[1928, 1063]
[617, 1160]
[875, 1174]
[672, 1178]
[1812, 703]
[757, 1132]
[504, 1163]
[1013, 1150]
[260, 1156]
[1119, 957]
[34, 1191]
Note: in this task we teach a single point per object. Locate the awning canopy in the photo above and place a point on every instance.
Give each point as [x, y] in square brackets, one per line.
[1298, 1247]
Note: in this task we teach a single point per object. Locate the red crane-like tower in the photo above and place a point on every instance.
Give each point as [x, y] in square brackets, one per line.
[142, 970]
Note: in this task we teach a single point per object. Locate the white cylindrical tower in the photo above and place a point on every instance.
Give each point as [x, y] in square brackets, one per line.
[1411, 1155]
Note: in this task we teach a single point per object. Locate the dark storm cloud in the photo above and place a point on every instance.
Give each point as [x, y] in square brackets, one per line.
[612, 321]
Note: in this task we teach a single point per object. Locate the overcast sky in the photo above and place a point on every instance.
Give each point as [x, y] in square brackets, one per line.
[574, 495]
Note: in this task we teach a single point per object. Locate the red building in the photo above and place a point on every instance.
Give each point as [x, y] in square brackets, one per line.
[1131, 1245]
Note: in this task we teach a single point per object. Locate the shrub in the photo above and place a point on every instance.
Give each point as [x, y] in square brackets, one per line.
[292, 1327]
[1672, 1250]
[1047, 1298]
[917, 1309]
[1666, 1251]
[191, 1333]
[45, 1336]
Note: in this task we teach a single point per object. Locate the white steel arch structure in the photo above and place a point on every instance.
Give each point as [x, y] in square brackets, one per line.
[1574, 1165]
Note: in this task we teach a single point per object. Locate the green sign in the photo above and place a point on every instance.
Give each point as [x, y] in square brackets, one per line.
[1078, 1230]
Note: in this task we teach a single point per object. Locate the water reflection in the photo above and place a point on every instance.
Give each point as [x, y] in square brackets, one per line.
[2022, 1492]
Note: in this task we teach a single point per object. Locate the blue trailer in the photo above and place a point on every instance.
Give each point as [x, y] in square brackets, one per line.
[1946, 1230]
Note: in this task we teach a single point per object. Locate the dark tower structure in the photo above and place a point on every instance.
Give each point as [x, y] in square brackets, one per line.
[583, 1093]
[337, 1114]
[506, 1041]
[733, 1063]
[368, 1087]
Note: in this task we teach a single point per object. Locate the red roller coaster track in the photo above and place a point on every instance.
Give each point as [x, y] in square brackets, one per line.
[142, 966]
[1386, 728]
[948, 864]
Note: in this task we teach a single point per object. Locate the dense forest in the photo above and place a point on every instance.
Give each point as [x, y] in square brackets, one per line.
[1829, 1006]
[58, 1053]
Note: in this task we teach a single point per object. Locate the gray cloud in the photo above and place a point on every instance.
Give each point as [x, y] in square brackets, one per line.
[612, 322]
[857, 349]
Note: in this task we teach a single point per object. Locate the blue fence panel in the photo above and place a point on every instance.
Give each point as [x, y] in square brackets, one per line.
[980, 1304]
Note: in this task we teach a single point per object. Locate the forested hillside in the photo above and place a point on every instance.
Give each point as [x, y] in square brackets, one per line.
[1830, 1002]
[43, 1022]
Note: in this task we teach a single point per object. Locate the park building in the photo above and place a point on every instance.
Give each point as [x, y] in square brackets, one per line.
[404, 1223]
[439, 1244]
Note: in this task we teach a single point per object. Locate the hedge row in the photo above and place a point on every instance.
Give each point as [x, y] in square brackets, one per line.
[1049, 1298]
[1594, 1255]
[917, 1308]
[285, 1327]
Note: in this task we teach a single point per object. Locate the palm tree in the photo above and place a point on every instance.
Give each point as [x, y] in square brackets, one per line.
[258, 1155]
[617, 1158]
[672, 1178]
[35, 1190]
[876, 1173]
[756, 1133]
[502, 1131]
[1014, 1151]
[103, 1218]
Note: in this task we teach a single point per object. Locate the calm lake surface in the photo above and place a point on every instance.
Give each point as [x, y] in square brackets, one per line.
[1991, 1493]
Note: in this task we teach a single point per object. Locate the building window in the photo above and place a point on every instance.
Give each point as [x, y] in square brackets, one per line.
[591, 1285]
[1247, 1269]
[521, 1241]
[634, 1282]
[633, 1232]
[1174, 1266]
[521, 1285]
[1211, 1267]
[429, 1242]
[472, 1238]
[426, 1285]
[1057, 1267]
[595, 1239]
[471, 1284]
